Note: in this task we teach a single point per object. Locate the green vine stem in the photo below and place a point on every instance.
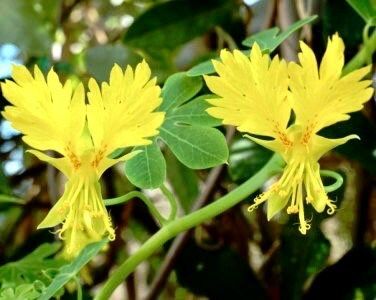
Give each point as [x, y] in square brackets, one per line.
[175, 227]
[79, 288]
[363, 56]
[173, 202]
[338, 180]
[136, 194]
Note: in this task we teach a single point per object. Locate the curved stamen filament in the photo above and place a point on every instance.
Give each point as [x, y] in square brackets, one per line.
[87, 219]
[300, 180]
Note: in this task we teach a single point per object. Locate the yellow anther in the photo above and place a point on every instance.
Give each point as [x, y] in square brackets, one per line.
[292, 209]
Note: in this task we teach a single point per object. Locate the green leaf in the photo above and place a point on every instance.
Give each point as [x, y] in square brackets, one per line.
[25, 291]
[365, 8]
[203, 68]
[178, 89]
[219, 273]
[187, 132]
[270, 39]
[21, 17]
[340, 17]
[194, 112]
[32, 267]
[246, 158]
[99, 65]
[197, 147]
[305, 254]
[173, 23]
[69, 271]
[362, 150]
[11, 199]
[147, 169]
[341, 280]
[186, 129]
[183, 180]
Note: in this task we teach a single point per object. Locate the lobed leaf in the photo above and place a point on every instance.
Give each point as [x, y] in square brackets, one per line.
[25, 291]
[186, 131]
[69, 271]
[32, 267]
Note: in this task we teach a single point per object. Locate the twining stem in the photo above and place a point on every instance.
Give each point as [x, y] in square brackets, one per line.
[153, 210]
[338, 180]
[146, 200]
[173, 202]
[175, 227]
[79, 288]
[363, 56]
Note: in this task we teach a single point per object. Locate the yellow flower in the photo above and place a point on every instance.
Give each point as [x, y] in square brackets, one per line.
[257, 95]
[55, 117]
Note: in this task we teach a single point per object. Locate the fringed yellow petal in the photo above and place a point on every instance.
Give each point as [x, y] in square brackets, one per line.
[252, 91]
[122, 113]
[256, 95]
[53, 116]
[324, 98]
[333, 59]
[44, 110]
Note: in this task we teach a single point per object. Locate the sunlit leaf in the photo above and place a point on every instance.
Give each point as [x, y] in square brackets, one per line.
[68, 272]
[25, 291]
[32, 267]
[197, 147]
[178, 89]
[187, 131]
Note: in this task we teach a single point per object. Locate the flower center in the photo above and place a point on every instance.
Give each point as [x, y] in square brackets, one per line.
[86, 217]
[299, 184]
